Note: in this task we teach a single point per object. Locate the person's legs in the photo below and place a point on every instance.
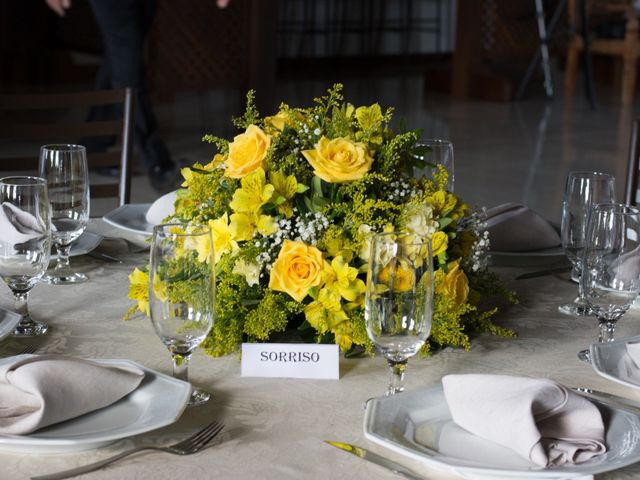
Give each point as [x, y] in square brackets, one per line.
[123, 25]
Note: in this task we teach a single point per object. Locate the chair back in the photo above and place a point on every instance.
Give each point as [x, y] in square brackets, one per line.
[631, 196]
[17, 124]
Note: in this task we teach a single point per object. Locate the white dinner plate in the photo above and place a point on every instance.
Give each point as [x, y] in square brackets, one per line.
[157, 402]
[611, 360]
[131, 217]
[82, 245]
[418, 425]
[8, 321]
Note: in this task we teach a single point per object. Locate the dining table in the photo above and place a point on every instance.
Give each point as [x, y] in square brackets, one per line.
[276, 427]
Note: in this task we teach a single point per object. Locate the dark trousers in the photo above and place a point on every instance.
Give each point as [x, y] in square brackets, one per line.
[124, 25]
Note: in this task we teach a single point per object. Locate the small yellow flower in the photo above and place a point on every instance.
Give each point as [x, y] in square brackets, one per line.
[253, 193]
[250, 271]
[297, 269]
[339, 160]
[139, 289]
[247, 152]
[218, 160]
[223, 241]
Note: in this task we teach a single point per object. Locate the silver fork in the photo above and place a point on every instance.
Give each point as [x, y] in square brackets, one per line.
[26, 350]
[193, 444]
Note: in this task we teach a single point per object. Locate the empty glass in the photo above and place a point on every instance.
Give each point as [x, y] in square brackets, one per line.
[182, 293]
[65, 169]
[399, 299]
[611, 265]
[433, 152]
[582, 190]
[25, 243]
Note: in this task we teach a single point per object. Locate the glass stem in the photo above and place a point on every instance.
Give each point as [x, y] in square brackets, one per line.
[63, 257]
[607, 329]
[578, 273]
[22, 307]
[181, 366]
[396, 378]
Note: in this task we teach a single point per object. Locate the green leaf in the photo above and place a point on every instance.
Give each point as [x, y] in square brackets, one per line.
[443, 222]
[302, 188]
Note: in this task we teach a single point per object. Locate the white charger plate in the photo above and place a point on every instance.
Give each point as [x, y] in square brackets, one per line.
[131, 217]
[611, 360]
[8, 321]
[538, 258]
[418, 425]
[157, 402]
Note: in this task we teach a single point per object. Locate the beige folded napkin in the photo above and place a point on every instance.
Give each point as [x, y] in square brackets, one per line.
[537, 418]
[17, 226]
[42, 390]
[515, 228]
[161, 208]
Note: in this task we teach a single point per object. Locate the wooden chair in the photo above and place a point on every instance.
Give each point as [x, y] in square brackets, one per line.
[631, 194]
[626, 48]
[17, 124]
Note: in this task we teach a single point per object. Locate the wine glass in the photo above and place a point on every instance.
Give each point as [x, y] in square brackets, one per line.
[65, 169]
[611, 265]
[25, 243]
[433, 152]
[582, 190]
[399, 299]
[182, 293]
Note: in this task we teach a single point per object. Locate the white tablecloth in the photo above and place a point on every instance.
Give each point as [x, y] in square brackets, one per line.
[275, 428]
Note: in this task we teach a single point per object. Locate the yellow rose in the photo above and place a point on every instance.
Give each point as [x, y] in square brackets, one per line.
[247, 152]
[404, 277]
[439, 243]
[297, 269]
[339, 160]
[456, 283]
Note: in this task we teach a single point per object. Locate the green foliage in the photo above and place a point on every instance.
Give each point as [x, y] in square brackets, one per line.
[271, 316]
[251, 115]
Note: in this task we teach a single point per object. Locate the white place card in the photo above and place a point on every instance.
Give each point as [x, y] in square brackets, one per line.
[290, 360]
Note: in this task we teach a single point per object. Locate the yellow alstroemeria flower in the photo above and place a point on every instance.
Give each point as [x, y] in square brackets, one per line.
[244, 226]
[344, 280]
[223, 241]
[284, 189]
[139, 289]
[254, 192]
[315, 314]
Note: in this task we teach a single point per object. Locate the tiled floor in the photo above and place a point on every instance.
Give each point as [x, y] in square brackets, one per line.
[504, 152]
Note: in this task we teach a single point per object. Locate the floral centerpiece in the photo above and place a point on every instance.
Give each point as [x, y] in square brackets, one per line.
[292, 202]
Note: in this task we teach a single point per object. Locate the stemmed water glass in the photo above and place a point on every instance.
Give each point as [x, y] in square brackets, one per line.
[25, 243]
[182, 293]
[582, 190]
[399, 299]
[65, 169]
[432, 152]
[611, 265]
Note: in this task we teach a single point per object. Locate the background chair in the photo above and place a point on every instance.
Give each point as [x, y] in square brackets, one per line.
[615, 20]
[30, 120]
[631, 194]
